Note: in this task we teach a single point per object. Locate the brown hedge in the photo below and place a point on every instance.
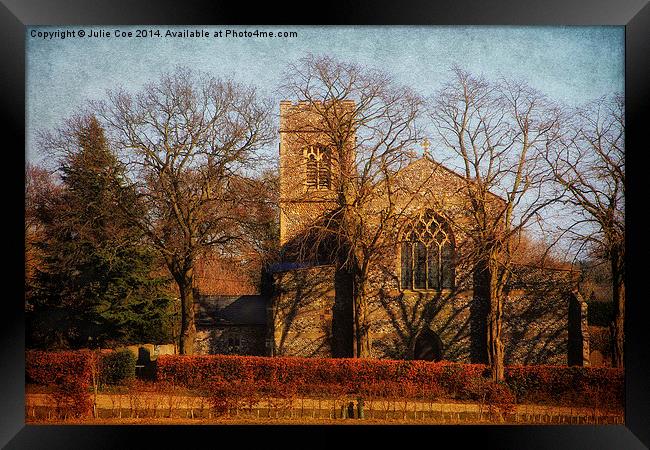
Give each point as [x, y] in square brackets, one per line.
[598, 387]
[249, 377]
[68, 372]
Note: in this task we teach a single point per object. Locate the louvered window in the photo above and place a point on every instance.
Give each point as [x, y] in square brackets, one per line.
[318, 168]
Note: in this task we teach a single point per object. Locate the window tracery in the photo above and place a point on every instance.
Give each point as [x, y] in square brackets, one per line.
[427, 254]
[318, 168]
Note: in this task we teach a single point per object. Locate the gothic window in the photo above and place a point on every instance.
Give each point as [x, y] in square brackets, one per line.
[427, 254]
[318, 167]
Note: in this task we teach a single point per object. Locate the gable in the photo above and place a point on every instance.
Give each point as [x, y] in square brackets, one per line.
[429, 172]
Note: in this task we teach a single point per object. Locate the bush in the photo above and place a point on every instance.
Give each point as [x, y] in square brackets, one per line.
[227, 379]
[117, 367]
[54, 368]
[69, 373]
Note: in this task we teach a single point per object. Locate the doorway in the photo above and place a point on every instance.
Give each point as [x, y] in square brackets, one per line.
[428, 346]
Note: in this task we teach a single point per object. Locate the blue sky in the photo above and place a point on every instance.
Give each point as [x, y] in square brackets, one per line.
[570, 64]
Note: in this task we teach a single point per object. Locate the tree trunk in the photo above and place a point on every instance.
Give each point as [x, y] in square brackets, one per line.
[618, 297]
[361, 324]
[494, 328]
[188, 327]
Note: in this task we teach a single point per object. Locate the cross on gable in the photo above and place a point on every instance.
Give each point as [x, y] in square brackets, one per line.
[425, 145]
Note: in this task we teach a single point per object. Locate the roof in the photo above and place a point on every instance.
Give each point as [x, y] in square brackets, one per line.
[429, 159]
[287, 266]
[230, 310]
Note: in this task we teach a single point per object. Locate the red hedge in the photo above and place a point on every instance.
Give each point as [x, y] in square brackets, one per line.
[248, 377]
[55, 368]
[590, 386]
[389, 378]
[195, 371]
[69, 372]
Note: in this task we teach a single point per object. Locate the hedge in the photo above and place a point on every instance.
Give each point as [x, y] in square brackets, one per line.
[68, 372]
[598, 387]
[70, 375]
[588, 386]
[226, 377]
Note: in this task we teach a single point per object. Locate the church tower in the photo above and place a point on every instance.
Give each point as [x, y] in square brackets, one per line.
[309, 162]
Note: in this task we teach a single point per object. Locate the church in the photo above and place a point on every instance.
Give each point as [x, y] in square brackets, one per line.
[421, 291]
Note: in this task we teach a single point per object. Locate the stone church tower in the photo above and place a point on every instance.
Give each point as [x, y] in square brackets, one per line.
[312, 312]
[309, 165]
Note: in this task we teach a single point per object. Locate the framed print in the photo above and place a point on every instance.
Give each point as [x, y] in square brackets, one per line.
[392, 216]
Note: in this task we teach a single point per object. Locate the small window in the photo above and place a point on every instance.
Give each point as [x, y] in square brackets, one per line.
[318, 166]
[427, 253]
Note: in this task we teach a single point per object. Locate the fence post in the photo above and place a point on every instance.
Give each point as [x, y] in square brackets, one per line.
[360, 405]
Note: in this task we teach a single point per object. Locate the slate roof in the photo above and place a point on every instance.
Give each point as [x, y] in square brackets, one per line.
[287, 266]
[230, 310]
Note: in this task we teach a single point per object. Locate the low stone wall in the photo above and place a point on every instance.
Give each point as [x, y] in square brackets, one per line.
[41, 407]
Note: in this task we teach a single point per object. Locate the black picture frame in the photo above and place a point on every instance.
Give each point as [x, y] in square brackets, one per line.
[15, 15]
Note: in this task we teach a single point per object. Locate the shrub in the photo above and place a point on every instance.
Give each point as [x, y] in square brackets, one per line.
[68, 372]
[499, 397]
[117, 367]
[55, 368]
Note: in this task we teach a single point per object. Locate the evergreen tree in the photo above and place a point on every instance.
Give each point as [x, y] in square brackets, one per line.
[94, 286]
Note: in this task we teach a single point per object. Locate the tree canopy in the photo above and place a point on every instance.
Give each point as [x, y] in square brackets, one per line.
[95, 280]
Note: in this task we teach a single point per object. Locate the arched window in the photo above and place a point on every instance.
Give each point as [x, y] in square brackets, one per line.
[427, 254]
[318, 168]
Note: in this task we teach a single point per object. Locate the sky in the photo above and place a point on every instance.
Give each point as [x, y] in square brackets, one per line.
[570, 64]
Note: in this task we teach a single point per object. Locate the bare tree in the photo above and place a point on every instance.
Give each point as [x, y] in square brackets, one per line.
[185, 140]
[590, 166]
[237, 272]
[498, 132]
[367, 123]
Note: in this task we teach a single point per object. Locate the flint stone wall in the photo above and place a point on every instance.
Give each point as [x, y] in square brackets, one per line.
[231, 340]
